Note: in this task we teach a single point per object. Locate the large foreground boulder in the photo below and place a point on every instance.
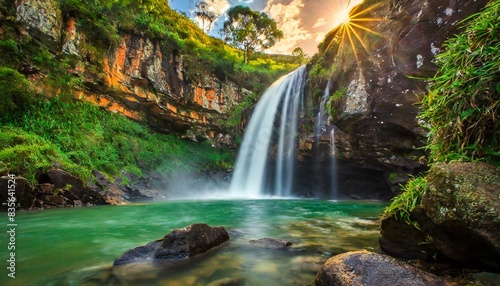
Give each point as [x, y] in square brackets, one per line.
[462, 201]
[181, 243]
[368, 268]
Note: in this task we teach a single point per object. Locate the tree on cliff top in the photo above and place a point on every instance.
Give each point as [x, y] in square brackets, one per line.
[250, 30]
[205, 14]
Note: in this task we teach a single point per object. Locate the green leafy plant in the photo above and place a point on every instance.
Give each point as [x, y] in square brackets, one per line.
[462, 106]
[403, 204]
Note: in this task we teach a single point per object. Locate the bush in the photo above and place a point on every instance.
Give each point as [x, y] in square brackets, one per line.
[16, 94]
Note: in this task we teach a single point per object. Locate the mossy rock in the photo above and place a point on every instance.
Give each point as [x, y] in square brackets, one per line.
[463, 202]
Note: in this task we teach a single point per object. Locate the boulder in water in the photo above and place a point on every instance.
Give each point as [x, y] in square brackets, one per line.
[181, 243]
[368, 268]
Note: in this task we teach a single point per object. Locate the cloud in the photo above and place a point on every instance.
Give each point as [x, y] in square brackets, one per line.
[219, 7]
[287, 16]
[320, 36]
[320, 22]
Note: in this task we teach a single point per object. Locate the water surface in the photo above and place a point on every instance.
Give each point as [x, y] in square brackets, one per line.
[78, 246]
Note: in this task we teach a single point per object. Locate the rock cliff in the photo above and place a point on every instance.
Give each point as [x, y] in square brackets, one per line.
[137, 78]
[375, 119]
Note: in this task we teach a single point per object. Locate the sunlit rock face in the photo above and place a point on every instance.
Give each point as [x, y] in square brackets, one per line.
[43, 20]
[377, 114]
[140, 79]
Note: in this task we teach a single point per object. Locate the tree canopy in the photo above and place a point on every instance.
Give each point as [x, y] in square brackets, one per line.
[250, 30]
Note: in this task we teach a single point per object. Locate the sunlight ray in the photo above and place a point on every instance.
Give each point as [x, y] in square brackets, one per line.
[349, 32]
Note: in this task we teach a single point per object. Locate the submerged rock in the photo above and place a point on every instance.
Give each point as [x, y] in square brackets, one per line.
[181, 243]
[368, 268]
[270, 243]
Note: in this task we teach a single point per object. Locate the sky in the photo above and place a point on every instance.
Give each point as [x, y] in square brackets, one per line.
[304, 22]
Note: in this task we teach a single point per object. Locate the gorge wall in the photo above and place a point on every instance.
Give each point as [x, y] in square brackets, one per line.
[138, 78]
[378, 136]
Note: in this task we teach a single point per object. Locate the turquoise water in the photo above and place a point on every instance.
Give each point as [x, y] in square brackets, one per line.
[78, 246]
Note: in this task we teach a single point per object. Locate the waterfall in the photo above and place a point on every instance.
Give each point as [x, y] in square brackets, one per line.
[333, 173]
[332, 142]
[283, 97]
[324, 160]
[319, 126]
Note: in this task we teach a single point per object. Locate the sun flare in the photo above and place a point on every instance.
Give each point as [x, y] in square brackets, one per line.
[352, 25]
[344, 17]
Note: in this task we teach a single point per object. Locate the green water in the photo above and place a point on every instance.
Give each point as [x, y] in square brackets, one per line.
[78, 246]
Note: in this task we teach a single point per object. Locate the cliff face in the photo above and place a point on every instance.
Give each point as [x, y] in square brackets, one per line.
[139, 78]
[376, 118]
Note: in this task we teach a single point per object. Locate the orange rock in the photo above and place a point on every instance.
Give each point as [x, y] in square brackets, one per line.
[194, 115]
[171, 108]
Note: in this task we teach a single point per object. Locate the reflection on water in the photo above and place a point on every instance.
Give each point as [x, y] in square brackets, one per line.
[78, 246]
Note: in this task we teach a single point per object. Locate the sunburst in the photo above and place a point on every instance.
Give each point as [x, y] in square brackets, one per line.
[352, 24]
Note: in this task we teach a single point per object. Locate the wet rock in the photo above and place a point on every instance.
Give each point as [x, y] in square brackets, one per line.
[181, 243]
[101, 179]
[114, 195]
[271, 243]
[60, 179]
[368, 268]
[403, 240]
[46, 188]
[22, 189]
[462, 200]
[55, 200]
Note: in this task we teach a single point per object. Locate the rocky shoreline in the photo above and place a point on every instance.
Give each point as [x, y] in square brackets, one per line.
[57, 188]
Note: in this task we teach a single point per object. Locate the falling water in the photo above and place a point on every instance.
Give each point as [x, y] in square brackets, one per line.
[249, 177]
[324, 160]
[332, 142]
[333, 166]
[320, 125]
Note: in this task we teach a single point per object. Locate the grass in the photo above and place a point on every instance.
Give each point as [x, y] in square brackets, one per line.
[462, 106]
[82, 138]
[403, 204]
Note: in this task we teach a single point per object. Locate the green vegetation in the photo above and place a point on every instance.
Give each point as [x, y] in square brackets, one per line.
[462, 106]
[103, 21]
[16, 94]
[38, 133]
[463, 102]
[81, 137]
[334, 99]
[250, 30]
[403, 204]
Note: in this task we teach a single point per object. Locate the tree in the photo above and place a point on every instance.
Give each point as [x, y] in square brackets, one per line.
[299, 53]
[206, 14]
[250, 30]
